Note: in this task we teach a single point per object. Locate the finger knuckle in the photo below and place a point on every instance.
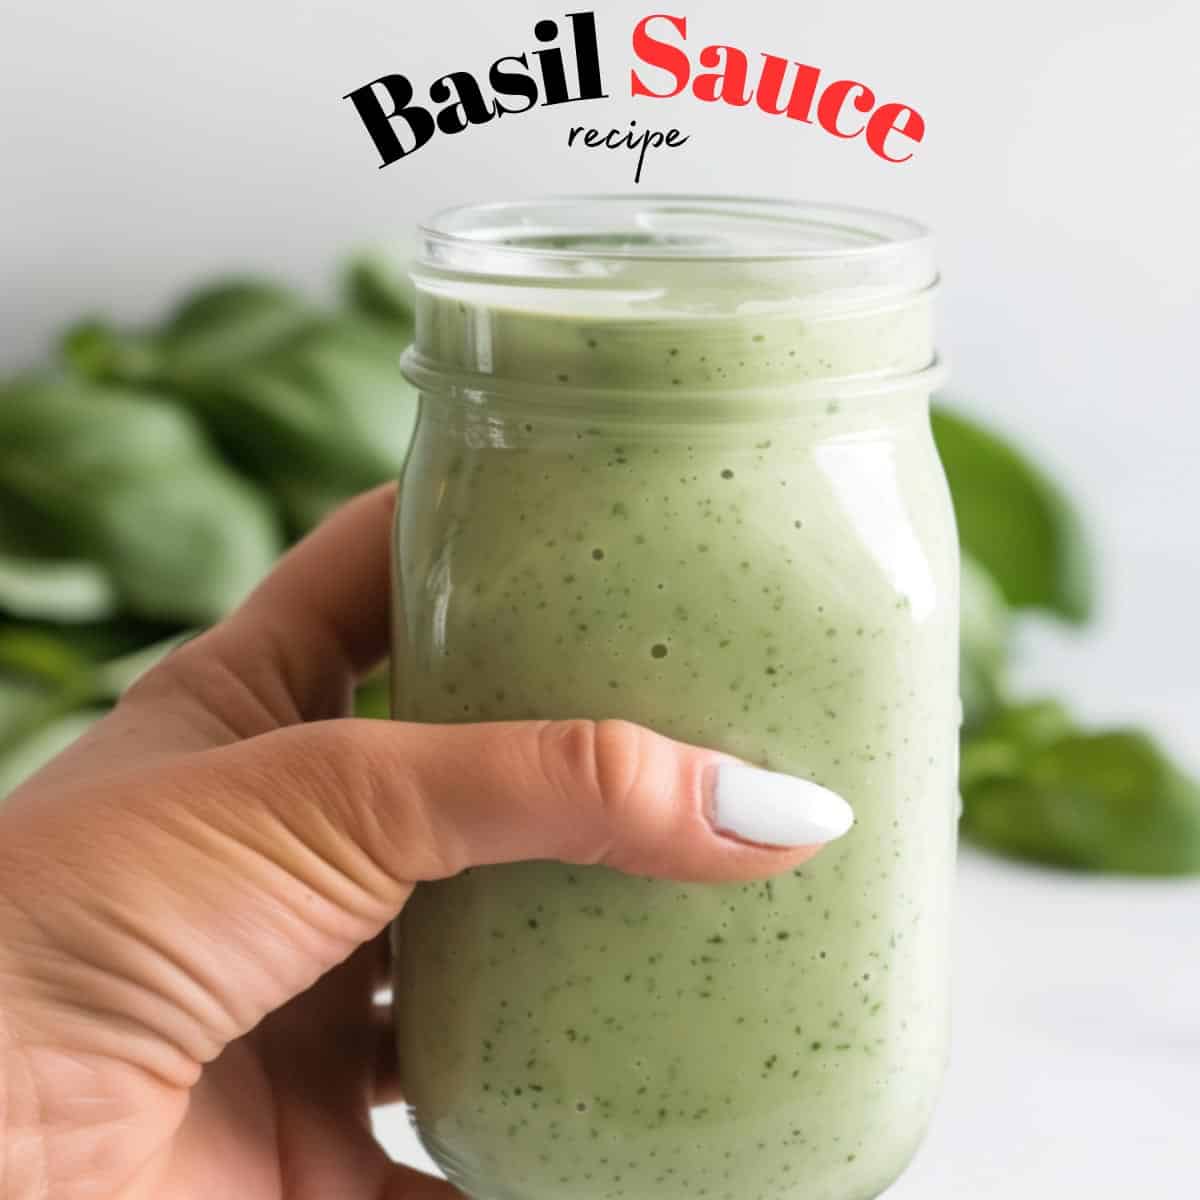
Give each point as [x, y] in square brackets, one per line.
[165, 679]
[604, 757]
[186, 671]
[345, 757]
[393, 815]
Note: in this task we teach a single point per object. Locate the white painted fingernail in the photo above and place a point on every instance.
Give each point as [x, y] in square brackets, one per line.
[774, 810]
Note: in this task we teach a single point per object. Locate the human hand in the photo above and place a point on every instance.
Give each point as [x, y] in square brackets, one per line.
[192, 896]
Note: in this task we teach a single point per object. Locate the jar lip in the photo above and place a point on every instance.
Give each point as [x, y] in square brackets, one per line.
[664, 227]
[477, 388]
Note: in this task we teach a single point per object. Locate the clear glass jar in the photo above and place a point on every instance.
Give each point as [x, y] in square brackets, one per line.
[673, 464]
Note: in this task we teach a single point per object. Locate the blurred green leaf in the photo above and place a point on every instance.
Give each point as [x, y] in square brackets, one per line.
[18, 694]
[375, 286]
[43, 656]
[51, 690]
[116, 515]
[61, 589]
[1014, 521]
[983, 640]
[40, 745]
[228, 323]
[1010, 736]
[373, 697]
[322, 415]
[40, 655]
[311, 405]
[29, 702]
[96, 642]
[101, 352]
[1036, 789]
[129, 482]
[215, 329]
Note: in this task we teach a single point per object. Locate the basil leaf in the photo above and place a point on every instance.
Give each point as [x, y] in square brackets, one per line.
[1107, 801]
[374, 286]
[18, 694]
[228, 323]
[90, 642]
[1010, 736]
[51, 690]
[59, 589]
[37, 580]
[101, 352]
[322, 415]
[1015, 521]
[311, 405]
[38, 687]
[216, 328]
[39, 655]
[373, 697]
[130, 483]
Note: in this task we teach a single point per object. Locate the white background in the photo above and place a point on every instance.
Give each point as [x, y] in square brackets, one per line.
[145, 145]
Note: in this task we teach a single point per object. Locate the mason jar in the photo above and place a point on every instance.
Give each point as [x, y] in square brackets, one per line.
[673, 464]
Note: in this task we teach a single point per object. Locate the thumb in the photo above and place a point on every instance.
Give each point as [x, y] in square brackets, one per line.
[388, 804]
[227, 881]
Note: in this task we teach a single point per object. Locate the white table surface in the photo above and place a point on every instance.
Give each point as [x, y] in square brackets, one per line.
[1075, 1070]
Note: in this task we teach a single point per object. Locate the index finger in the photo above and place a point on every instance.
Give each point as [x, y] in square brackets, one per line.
[319, 621]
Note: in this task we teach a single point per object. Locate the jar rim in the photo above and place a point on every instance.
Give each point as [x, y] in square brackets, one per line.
[669, 227]
[672, 255]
